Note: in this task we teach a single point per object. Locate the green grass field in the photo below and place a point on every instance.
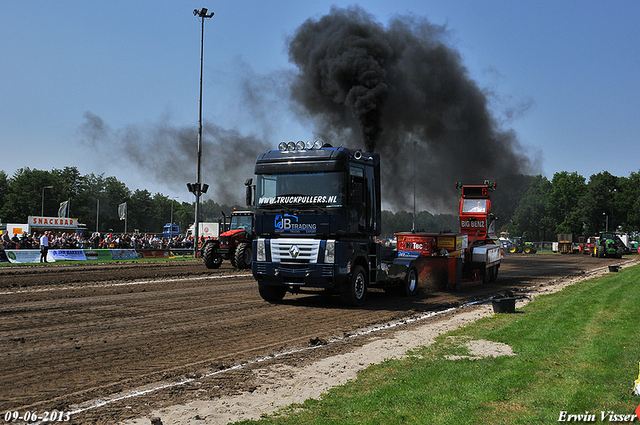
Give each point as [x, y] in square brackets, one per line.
[576, 351]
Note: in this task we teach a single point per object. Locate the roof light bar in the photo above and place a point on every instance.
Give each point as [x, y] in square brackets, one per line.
[299, 145]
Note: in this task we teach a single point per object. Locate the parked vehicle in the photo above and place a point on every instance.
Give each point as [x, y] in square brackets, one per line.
[610, 245]
[518, 245]
[170, 230]
[233, 244]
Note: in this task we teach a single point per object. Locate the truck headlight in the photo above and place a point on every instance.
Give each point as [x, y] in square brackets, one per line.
[330, 252]
[261, 250]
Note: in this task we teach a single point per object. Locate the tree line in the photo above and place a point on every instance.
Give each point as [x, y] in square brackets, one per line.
[530, 206]
[94, 200]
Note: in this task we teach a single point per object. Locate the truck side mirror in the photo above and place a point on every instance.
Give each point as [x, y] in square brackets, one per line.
[249, 192]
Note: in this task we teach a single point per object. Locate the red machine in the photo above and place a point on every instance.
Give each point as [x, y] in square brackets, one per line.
[476, 219]
[470, 257]
[484, 251]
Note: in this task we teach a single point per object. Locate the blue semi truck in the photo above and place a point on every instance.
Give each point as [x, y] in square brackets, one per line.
[317, 216]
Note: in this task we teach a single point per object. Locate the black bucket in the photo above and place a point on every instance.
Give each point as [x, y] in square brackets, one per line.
[614, 268]
[504, 305]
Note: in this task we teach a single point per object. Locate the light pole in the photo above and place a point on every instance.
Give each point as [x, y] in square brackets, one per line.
[42, 210]
[613, 200]
[171, 228]
[202, 13]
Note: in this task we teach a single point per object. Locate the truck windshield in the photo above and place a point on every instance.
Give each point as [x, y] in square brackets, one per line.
[474, 205]
[322, 188]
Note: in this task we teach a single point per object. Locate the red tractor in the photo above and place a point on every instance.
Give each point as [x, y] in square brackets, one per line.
[233, 244]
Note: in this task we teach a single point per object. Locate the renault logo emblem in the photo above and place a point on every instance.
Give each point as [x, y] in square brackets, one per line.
[294, 251]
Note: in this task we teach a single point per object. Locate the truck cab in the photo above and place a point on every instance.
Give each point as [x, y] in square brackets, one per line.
[170, 230]
[317, 215]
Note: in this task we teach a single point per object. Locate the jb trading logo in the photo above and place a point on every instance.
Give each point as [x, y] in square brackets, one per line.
[288, 222]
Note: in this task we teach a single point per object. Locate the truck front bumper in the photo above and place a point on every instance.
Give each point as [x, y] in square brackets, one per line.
[325, 276]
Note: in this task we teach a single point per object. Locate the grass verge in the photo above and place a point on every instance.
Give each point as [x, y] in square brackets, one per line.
[576, 351]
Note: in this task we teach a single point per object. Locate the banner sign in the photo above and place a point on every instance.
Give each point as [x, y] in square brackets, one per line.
[68, 254]
[122, 211]
[154, 253]
[33, 255]
[64, 207]
[26, 256]
[50, 222]
[97, 254]
[123, 254]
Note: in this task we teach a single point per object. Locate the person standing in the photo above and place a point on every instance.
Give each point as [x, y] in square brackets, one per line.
[44, 247]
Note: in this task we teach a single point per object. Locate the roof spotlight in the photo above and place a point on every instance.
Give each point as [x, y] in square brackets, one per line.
[309, 144]
[300, 145]
[317, 144]
[282, 146]
[291, 146]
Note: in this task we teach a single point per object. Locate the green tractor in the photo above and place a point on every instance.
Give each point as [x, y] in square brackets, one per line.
[518, 245]
[609, 245]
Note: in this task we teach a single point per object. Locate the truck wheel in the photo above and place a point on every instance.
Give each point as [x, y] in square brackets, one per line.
[512, 249]
[356, 290]
[410, 287]
[211, 259]
[243, 256]
[527, 250]
[273, 294]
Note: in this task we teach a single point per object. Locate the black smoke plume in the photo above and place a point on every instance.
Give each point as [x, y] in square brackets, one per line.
[400, 90]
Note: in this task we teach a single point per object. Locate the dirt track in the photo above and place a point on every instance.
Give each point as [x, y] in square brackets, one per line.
[73, 335]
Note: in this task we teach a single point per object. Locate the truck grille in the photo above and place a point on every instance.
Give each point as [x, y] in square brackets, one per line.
[295, 250]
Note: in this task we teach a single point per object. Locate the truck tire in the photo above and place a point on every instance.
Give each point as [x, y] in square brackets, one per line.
[272, 294]
[211, 258]
[243, 256]
[410, 286]
[512, 249]
[356, 290]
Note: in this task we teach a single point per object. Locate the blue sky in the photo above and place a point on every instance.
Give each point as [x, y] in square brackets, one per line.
[564, 75]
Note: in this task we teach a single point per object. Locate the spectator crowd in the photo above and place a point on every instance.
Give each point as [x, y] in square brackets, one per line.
[69, 240]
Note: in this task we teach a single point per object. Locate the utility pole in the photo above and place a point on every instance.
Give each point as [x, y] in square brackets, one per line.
[198, 188]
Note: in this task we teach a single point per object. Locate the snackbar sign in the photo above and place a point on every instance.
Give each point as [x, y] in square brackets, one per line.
[52, 222]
